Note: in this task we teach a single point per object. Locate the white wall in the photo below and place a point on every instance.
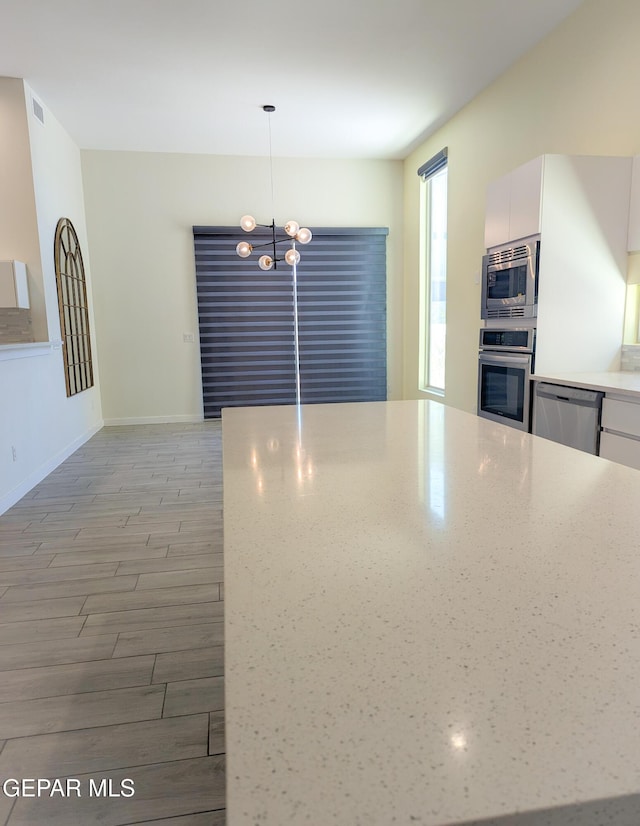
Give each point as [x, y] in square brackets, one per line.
[36, 417]
[576, 94]
[140, 211]
[18, 222]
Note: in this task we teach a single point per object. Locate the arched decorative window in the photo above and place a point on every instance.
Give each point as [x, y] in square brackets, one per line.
[74, 312]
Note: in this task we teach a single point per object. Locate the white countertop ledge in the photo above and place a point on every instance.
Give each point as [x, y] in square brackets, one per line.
[27, 349]
[429, 619]
[623, 382]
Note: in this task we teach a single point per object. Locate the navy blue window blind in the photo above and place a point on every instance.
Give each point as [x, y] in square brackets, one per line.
[246, 319]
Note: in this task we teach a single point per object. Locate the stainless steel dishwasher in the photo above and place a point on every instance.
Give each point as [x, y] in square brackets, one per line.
[569, 415]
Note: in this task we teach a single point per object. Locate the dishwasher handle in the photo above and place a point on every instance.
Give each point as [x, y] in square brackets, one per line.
[571, 395]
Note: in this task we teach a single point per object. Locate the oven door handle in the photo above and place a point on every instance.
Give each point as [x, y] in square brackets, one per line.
[514, 360]
[512, 263]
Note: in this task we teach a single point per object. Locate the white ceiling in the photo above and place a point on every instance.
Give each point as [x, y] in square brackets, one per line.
[349, 78]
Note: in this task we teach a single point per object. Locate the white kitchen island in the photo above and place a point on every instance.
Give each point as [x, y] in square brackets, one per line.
[430, 619]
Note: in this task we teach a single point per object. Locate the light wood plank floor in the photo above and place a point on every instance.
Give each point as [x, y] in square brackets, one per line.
[111, 632]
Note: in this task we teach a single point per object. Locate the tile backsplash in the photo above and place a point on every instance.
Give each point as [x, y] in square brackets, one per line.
[630, 358]
[15, 326]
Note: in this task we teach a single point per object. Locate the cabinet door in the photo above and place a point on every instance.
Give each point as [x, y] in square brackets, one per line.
[633, 244]
[623, 416]
[620, 449]
[526, 200]
[496, 223]
[513, 205]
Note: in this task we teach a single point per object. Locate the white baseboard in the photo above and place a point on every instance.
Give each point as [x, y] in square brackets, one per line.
[9, 499]
[187, 418]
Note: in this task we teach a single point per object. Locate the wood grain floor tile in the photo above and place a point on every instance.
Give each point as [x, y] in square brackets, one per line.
[203, 539]
[52, 546]
[128, 530]
[153, 598]
[189, 665]
[78, 520]
[164, 513]
[24, 563]
[58, 530]
[14, 530]
[22, 718]
[160, 564]
[6, 805]
[105, 748]
[199, 525]
[43, 653]
[58, 574]
[158, 641]
[41, 609]
[93, 510]
[192, 696]
[111, 554]
[133, 503]
[25, 506]
[216, 732]
[76, 678]
[40, 629]
[48, 500]
[162, 790]
[192, 548]
[170, 579]
[102, 585]
[170, 616]
[25, 517]
[25, 547]
[217, 818]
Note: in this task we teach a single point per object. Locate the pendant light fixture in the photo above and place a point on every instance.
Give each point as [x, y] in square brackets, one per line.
[293, 233]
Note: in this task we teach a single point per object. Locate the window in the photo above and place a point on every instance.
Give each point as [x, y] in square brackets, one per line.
[434, 272]
[246, 320]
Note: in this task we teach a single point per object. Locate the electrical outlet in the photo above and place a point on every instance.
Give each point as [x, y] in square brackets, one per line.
[14, 455]
[188, 338]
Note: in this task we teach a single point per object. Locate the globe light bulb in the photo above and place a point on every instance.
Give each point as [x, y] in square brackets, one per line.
[244, 249]
[292, 257]
[304, 235]
[248, 223]
[291, 228]
[265, 262]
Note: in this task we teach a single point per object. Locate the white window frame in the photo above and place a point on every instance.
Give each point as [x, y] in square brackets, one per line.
[433, 271]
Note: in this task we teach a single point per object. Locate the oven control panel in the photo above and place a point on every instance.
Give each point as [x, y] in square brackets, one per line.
[519, 339]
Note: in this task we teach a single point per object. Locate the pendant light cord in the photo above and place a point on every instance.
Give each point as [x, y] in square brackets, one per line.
[271, 170]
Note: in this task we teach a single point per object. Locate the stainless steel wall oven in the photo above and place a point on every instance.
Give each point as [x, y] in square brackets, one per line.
[505, 365]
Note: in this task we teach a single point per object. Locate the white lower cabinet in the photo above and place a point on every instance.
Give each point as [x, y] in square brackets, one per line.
[620, 436]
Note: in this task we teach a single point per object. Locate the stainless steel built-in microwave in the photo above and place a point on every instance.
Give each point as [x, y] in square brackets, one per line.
[510, 280]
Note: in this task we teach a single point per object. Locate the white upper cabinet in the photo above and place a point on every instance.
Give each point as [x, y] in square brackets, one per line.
[496, 224]
[13, 285]
[633, 241]
[580, 207]
[513, 205]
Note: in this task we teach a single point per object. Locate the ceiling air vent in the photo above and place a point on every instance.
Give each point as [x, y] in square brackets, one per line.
[38, 111]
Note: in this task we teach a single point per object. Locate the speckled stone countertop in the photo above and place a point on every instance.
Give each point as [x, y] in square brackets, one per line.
[430, 619]
[622, 382]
